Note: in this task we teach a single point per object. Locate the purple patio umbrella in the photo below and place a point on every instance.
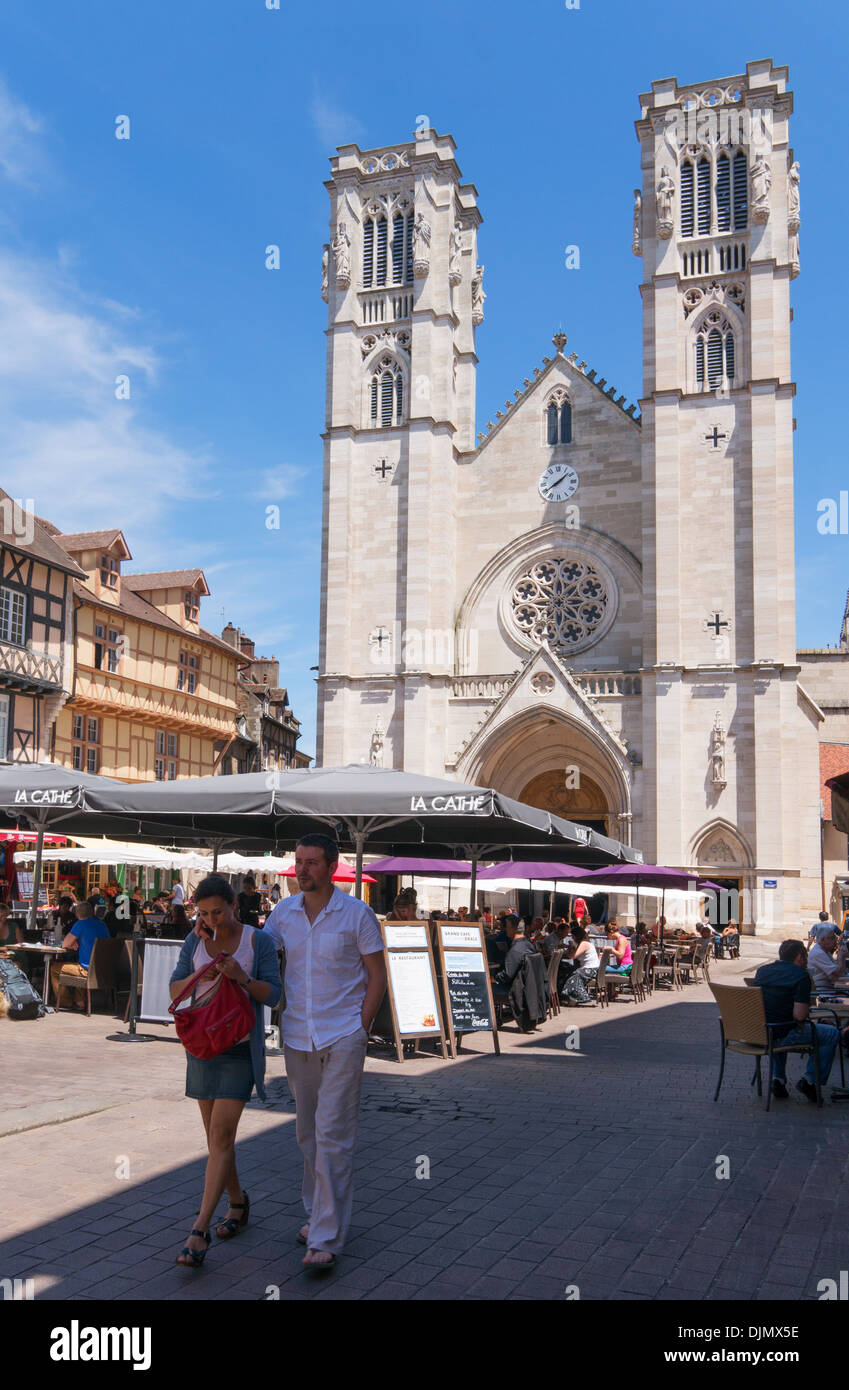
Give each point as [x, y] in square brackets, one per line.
[531, 869]
[652, 876]
[437, 868]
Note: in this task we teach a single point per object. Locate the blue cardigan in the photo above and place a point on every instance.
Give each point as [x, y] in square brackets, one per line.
[265, 967]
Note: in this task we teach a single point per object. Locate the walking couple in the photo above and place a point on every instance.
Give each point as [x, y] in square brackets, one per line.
[335, 979]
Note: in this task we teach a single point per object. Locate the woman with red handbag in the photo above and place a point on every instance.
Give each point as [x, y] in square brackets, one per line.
[226, 973]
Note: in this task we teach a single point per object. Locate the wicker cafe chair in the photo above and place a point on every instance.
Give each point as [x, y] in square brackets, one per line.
[102, 972]
[695, 960]
[600, 981]
[553, 967]
[743, 1028]
[668, 970]
[635, 982]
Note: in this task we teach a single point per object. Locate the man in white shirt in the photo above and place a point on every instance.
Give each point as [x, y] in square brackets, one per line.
[824, 966]
[334, 982]
[177, 896]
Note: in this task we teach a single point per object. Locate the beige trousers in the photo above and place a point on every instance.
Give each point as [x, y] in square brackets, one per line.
[73, 967]
[326, 1086]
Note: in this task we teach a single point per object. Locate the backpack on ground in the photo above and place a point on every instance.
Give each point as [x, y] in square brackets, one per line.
[18, 999]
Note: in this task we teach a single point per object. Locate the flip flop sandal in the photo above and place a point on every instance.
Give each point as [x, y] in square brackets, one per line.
[301, 1238]
[319, 1268]
[234, 1224]
[197, 1256]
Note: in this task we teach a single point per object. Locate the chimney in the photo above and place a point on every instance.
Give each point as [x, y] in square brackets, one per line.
[230, 635]
[246, 647]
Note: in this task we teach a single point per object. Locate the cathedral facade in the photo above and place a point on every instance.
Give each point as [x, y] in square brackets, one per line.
[534, 607]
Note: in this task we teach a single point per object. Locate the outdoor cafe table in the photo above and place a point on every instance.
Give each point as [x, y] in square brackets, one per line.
[32, 948]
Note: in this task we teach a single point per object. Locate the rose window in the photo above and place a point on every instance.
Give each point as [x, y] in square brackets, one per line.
[560, 603]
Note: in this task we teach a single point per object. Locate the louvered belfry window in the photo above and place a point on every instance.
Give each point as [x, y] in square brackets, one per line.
[386, 394]
[729, 177]
[715, 354]
[558, 418]
[388, 243]
[565, 423]
[741, 192]
[552, 423]
[687, 199]
[723, 194]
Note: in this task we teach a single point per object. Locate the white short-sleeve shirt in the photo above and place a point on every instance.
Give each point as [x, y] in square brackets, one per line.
[179, 895]
[325, 979]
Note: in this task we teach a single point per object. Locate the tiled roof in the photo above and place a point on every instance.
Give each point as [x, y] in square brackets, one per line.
[834, 760]
[91, 540]
[165, 579]
[42, 546]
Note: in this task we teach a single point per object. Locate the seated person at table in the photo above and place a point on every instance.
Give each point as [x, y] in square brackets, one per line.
[520, 946]
[406, 906]
[786, 987]
[87, 930]
[621, 950]
[64, 918]
[824, 963]
[549, 942]
[579, 968]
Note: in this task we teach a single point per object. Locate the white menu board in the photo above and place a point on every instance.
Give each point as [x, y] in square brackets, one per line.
[413, 992]
[412, 935]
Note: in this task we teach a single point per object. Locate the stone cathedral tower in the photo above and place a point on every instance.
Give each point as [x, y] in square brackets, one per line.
[588, 609]
[719, 241]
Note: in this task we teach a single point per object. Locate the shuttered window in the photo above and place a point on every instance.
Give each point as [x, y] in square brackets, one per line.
[565, 423]
[386, 388]
[700, 361]
[741, 193]
[687, 199]
[552, 423]
[703, 196]
[729, 356]
[368, 251]
[723, 194]
[380, 270]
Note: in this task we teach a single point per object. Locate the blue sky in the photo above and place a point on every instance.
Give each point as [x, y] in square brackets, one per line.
[146, 256]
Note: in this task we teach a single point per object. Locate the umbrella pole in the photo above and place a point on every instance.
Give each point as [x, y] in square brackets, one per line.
[359, 838]
[662, 912]
[215, 858]
[551, 902]
[450, 882]
[473, 884]
[638, 911]
[36, 880]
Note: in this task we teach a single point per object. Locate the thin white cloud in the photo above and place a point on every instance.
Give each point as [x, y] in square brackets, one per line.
[276, 484]
[65, 439]
[333, 125]
[21, 152]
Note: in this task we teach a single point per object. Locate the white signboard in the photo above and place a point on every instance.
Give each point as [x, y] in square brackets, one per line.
[413, 992]
[413, 935]
[160, 960]
[459, 936]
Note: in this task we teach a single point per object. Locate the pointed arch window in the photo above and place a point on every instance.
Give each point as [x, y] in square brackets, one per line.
[715, 353]
[388, 244]
[714, 193]
[386, 394]
[558, 418]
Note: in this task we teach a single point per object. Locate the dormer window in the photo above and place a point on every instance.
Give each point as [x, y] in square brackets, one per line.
[191, 606]
[109, 571]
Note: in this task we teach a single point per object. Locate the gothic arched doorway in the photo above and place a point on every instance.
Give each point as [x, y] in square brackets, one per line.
[554, 791]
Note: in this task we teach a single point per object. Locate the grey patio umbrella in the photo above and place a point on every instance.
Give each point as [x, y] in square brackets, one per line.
[45, 796]
[394, 812]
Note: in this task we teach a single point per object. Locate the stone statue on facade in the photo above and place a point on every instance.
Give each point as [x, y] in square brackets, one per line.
[717, 753]
[761, 184]
[421, 246]
[794, 220]
[325, 273]
[637, 244]
[665, 204]
[455, 272]
[478, 296]
[341, 250]
[376, 750]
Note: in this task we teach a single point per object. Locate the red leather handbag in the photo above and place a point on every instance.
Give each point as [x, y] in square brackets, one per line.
[219, 1020]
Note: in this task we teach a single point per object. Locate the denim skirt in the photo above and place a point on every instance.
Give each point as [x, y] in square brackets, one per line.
[227, 1077]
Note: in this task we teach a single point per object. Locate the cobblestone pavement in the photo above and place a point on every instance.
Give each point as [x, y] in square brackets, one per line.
[552, 1169]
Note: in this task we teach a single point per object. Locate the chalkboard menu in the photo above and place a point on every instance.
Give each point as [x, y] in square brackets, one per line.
[412, 990]
[464, 977]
